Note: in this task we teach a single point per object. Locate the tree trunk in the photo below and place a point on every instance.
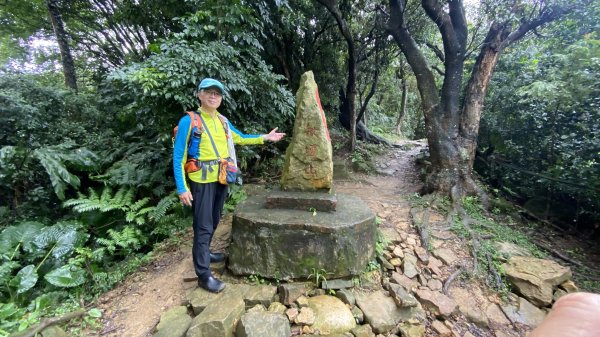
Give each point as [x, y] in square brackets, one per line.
[403, 99]
[350, 96]
[452, 130]
[63, 44]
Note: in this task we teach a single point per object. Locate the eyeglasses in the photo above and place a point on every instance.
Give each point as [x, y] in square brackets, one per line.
[212, 93]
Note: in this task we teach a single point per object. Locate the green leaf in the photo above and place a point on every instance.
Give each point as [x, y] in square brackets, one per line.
[62, 238]
[66, 276]
[95, 313]
[25, 279]
[23, 234]
[6, 270]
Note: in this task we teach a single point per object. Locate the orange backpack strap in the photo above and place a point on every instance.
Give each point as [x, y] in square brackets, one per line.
[195, 121]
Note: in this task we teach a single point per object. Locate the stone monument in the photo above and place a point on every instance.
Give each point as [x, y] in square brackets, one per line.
[304, 227]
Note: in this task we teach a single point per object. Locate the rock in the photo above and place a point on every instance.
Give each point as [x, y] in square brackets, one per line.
[436, 302]
[409, 266]
[401, 296]
[422, 254]
[411, 241]
[441, 329]
[535, 278]
[468, 334]
[346, 296]
[434, 284]
[569, 286]
[200, 298]
[291, 314]
[337, 284]
[558, 293]
[306, 316]
[331, 315]
[411, 330]
[307, 330]
[273, 242]
[396, 262]
[390, 235]
[387, 255]
[289, 292]
[277, 308]
[524, 312]
[507, 249]
[173, 322]
[308, 164]
[53, 331]
[385, 263]
[471, 303]
[495, 316]
[398, 252]
[359, 316]
[263, 324]
[302, 301]
[363, 331]
[382, 313]
[219, 317]
[446, 255]
[404, 281]
[257, 308]
[303, 201]
[262, 294]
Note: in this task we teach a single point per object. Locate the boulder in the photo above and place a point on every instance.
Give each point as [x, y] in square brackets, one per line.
[363, 331]
[277, 307]
[219, 317]
[382, 313]
[331, 315]
[535, 278]
[263, 324]
[173, 323]
[346, 296]
[306, 316]
[262, 294]
[290, 292]
[436, 302]
[409, 265]
[523, 312]
[446, 255]
[401, 296]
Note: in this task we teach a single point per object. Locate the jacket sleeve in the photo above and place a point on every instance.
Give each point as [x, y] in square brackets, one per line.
[244, 139]
[180, 153]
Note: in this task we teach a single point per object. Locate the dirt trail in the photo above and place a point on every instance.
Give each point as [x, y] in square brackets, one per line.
[133, 308]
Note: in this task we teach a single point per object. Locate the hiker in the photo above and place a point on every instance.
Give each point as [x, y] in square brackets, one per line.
[203, 141]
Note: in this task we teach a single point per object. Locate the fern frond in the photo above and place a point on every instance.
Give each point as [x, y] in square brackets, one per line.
[139, 204]
[163, 206]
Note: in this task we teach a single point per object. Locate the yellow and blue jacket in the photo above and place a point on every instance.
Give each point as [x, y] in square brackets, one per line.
[196, 144]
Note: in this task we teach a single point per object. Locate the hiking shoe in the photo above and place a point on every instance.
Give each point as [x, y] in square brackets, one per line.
[217, 257]
[211, 284]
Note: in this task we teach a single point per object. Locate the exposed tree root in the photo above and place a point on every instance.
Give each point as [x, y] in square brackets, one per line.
[467, 221]
[450, 279]
[48, 322]
[422, 226]
[564, 257]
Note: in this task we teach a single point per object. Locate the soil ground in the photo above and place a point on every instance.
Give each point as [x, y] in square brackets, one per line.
[134, 307]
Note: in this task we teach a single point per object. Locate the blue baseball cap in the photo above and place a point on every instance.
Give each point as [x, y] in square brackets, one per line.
[211, 83]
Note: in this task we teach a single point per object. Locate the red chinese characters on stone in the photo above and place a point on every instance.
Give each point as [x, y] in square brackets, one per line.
[310, 170]
[311, 150]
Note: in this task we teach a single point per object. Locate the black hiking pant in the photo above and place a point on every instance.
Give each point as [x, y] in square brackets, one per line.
[207, 206]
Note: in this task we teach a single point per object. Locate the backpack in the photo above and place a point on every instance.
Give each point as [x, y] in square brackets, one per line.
[195, 122]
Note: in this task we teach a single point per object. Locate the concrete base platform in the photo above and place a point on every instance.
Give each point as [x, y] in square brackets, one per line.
[303, 201]
[292, 244]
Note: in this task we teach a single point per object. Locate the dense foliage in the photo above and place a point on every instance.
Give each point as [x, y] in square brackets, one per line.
[542, 131]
